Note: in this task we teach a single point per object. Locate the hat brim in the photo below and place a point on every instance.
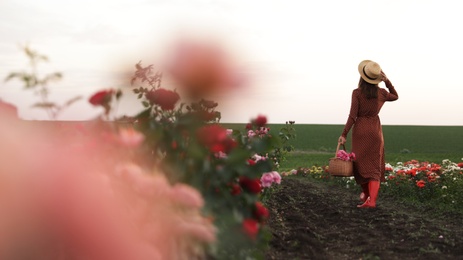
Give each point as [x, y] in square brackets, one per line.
[364, 77]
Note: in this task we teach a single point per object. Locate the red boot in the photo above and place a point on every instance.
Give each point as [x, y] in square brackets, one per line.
[364, 195]
[373, 187]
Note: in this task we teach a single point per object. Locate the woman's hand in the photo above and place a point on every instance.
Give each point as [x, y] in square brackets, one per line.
[342, 140]
[383, 76]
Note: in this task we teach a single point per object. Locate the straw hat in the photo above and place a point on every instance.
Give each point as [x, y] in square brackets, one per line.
[370, 71]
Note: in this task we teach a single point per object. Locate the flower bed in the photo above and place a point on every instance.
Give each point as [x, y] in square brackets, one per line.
[428, 183]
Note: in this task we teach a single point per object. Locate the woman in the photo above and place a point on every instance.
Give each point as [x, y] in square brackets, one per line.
[367, 135]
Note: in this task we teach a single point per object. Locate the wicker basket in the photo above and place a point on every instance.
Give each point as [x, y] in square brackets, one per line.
[340, 168]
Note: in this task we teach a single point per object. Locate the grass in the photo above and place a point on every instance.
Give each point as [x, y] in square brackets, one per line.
[315, 144]
[305, 159]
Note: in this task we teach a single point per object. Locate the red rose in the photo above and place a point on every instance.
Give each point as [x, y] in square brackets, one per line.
[260, 121]
[174, 144]
[260, 212]
[235, 189]
[420, 184]
[248, 126]
[216, 148]
[211, 134]
[251, 227]
[251, 162]
[460, 164]
[251, 185]
[229, 144]
[101, 98]
[166, 99]
[215, 138]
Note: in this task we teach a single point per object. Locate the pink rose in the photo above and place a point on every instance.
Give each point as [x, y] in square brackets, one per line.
[342, 155]
[251, 133]
[269, 178]
[276, 177]
[266, 180]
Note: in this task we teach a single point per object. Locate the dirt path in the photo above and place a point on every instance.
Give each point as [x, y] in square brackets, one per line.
[315, 220]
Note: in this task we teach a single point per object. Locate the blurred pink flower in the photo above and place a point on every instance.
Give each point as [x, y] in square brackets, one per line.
[82, 202]
[8, 110]
[257, 157]
[187, 196]
[251, 133]
[130, 137]
[202, 68]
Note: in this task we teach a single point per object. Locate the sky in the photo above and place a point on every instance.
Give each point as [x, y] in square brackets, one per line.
[301, 57]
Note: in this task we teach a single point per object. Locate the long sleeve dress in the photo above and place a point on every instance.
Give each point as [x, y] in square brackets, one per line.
[367, 134]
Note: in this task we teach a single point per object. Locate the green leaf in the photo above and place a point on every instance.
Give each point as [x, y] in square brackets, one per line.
[143, 114]
[145, 103]
[238, 156]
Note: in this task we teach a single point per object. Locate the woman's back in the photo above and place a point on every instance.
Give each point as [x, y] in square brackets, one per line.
[371, 107]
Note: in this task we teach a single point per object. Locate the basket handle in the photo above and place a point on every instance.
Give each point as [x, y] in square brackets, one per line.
[337, 148]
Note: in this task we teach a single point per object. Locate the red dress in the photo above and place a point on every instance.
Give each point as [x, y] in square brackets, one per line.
[367, 134]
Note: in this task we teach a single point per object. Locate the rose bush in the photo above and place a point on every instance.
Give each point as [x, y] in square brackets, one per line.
[167, 183]
[190, 145]
[187, 143]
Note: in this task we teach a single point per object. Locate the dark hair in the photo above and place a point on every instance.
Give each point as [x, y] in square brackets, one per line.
[368, 89]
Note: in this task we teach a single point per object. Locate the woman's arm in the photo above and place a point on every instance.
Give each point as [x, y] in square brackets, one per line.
[392, 95]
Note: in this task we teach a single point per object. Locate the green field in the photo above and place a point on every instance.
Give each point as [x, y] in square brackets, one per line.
[315, 144]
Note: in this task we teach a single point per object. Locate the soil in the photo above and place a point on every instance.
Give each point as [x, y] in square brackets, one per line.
[311, 219]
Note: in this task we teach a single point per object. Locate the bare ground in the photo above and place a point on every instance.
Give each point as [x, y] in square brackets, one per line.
[319, 220]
